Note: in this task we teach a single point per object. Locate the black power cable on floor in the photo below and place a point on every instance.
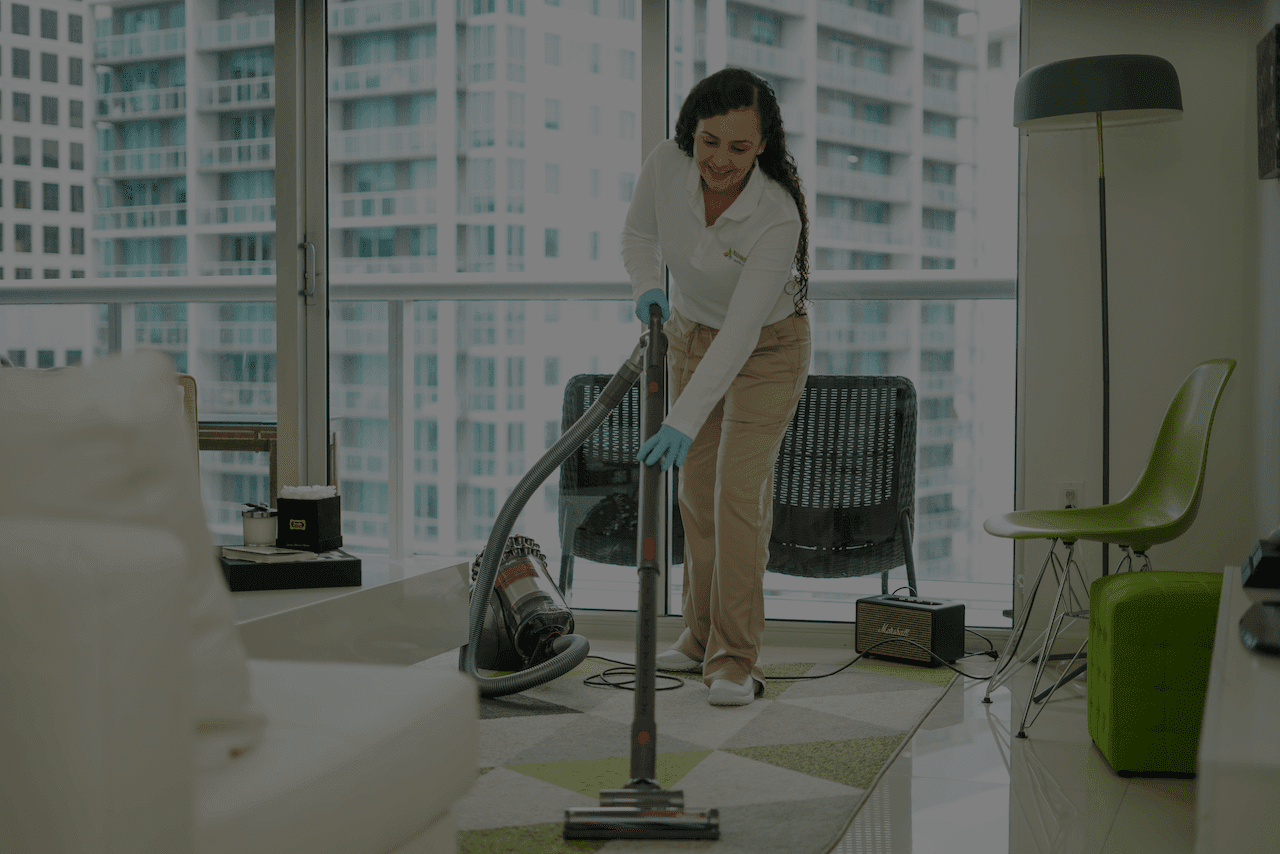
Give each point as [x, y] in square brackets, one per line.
[626, 671]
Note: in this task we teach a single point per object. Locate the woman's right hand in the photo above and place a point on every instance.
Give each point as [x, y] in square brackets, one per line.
[653, 296]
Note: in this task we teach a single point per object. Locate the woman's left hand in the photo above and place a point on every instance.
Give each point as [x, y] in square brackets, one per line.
[668, 445]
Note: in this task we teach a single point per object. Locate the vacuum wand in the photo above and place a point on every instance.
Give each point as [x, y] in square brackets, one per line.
[643, 809]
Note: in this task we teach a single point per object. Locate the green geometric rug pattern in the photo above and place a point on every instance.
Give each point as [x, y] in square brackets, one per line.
[787, 772]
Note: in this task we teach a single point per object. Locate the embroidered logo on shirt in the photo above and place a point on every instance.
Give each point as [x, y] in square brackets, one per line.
[736, 256]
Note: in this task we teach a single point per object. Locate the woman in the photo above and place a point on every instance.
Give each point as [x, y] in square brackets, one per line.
[721, 207]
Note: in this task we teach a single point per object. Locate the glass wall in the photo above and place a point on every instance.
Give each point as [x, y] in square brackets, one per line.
[137, 152]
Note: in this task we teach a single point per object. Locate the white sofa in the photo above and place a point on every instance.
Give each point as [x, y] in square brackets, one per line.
[130, 720]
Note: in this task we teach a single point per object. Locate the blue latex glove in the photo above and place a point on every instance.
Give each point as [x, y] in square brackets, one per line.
[651, 297]
[668, 445]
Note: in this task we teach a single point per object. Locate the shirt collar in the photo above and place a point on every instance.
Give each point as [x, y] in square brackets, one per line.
[743, 206]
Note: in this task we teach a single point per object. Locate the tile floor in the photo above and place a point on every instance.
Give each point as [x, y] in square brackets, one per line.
[965, 785]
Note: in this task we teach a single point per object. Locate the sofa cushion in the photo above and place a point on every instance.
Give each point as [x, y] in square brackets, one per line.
[107, 442]
[95, 739]
[356, 758]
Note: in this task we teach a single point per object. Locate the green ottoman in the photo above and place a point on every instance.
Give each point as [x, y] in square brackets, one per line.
[1150, 641]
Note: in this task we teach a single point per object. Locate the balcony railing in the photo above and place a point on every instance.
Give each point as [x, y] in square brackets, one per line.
[858, 132]
[261, 212]
[141, 216]
[354, 270]
[238, 268]
[934, 239]
[238, 94]
[947, 101]
[961, 51]
[772, 60]
[141, 271]
[379, 14]
[383, 143]
[155, 44]
[145, 103]
[356, 206]
[383, 77]
[253, 31]
[940, 148]
[868, 185]
[862, 232]
[863, 82]
[864, 23]
[168, 160]
[242, 154]
[939, 195]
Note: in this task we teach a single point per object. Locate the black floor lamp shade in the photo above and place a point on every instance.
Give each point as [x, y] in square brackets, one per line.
[1127, 88]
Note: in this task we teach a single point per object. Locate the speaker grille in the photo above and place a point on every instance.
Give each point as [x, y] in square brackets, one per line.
[877, 622]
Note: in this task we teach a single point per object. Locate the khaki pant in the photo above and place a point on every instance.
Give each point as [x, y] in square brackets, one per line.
[726, 492]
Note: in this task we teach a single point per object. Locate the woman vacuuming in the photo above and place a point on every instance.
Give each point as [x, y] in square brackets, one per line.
[721, 206]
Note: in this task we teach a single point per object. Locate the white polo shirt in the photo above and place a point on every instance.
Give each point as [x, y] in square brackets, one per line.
[730, 276]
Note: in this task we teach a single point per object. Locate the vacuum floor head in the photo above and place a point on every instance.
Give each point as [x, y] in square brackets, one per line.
[642, 812]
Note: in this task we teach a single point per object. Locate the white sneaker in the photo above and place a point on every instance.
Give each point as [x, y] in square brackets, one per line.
[726, 692]
[674, 659]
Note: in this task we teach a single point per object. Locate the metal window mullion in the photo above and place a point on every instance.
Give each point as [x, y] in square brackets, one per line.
[301, 233]
[400, 410]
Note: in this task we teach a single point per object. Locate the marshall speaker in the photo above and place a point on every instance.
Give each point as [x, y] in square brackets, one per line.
[935, 624]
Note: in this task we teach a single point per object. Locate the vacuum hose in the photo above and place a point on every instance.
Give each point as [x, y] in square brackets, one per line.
[570, 650]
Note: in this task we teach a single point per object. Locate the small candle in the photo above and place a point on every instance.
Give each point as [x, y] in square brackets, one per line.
[259, 527]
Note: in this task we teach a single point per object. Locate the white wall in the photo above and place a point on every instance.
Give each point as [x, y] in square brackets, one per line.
[1183, 215]
[1267, 386]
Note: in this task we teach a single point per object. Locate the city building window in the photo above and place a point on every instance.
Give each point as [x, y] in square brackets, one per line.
[48, 110]
[20, 14]
[765, 29]
[22, 195]
[551, 243]
[22, 241]
[77, 241]
[995, 53]
[75, 114]
[551, 374]
[483, 51]
[22, 272]
[936, 503]
[18, 358]
[940, 75]
[552, 119]
[515, 54]
[77, 155]
[51, 240]
[482, 7]
[52, 273]
[22, 151]
[74, 357]
[515, 7]
[595, 247]
[551, 49]
[626, 125]
[935, 549]
[595, 57]
[626, 186]
[50, 197]
[939, 173]
[77, 198]
[938, 313]
[75, 71]
[937, 408]
[44, 358]
[935, 456]
[937, 361]
[49, 153]
[938, 220]
[627, 64]
[20, 59]
[49, 67]
[75, 28]
[21, 107]
[553, 177]
[939, 125]
[48, 24]
[931, 263]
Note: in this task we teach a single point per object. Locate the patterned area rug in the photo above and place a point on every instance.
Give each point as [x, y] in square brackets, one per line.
[787, 772]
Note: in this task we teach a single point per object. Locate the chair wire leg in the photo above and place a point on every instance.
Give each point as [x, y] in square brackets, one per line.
[1005, 664]
[1060, 614]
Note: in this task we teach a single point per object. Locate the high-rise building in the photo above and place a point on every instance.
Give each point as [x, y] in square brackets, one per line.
[487, 141]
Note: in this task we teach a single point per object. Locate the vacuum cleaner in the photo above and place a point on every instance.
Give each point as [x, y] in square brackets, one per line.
[519, 620]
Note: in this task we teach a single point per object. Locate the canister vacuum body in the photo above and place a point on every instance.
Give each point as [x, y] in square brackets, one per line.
[526, 613]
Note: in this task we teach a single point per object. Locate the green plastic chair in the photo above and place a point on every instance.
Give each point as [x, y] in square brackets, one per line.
[1160, 507]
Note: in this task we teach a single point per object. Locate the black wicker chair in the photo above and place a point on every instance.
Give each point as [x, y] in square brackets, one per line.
[599, 484]
[844, 483]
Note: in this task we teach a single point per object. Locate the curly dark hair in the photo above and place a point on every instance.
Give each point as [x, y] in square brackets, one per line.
[735, 89]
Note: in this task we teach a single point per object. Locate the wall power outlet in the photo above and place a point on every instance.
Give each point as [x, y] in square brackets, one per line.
[1069, 493]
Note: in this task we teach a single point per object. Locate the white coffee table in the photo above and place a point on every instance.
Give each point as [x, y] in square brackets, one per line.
[406, 611]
